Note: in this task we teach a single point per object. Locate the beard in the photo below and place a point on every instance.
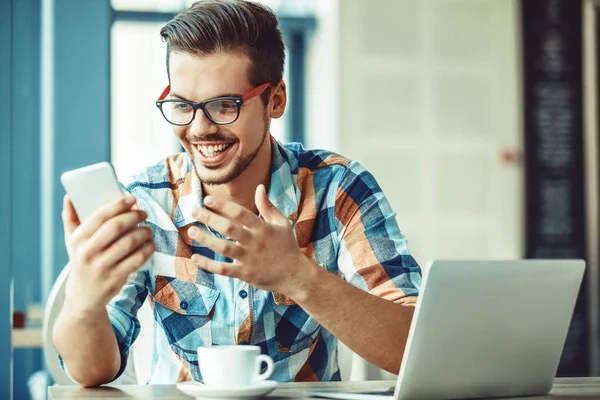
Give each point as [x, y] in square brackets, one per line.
[239, 166]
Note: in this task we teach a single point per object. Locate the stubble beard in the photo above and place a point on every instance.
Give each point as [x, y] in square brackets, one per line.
[240, 165]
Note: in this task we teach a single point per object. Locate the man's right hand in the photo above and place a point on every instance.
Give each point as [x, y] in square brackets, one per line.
[103, 251]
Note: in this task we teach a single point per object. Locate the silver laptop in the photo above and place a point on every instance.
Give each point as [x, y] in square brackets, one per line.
[485, 329]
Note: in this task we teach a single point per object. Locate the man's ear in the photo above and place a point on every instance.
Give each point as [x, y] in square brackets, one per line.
[278, 100]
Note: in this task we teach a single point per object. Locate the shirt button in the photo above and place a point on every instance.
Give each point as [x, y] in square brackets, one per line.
[243, 294]
[183, 305]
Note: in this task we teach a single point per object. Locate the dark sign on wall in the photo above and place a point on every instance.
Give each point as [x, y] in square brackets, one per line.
[555, 228]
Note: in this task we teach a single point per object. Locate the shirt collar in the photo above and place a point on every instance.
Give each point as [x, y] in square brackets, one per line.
[283, 188]
[283, 191]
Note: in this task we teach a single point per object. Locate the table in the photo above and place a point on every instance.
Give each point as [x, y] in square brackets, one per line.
[564, 388]
[284, 391]
[26, 338]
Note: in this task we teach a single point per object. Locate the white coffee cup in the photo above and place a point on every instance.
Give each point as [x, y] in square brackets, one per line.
[233, 366]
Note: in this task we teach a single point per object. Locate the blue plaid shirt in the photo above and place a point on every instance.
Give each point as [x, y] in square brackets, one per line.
[341, 220]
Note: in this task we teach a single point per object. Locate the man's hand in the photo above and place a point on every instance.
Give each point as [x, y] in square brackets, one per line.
[103, 251]
[265, 252]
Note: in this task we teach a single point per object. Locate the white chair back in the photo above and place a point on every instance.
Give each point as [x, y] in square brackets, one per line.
[54, 304]
[355, 368]
[143, 346]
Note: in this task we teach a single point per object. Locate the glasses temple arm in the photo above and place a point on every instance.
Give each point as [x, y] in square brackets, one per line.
[255, 92]
[164, 93]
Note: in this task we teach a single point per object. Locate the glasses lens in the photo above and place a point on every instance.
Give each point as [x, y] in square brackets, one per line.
[178, 112]
[222, 111]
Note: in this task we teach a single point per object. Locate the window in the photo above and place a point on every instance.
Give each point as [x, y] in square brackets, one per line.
[138, 75]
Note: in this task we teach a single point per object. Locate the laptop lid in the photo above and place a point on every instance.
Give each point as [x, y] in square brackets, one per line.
[488, 328]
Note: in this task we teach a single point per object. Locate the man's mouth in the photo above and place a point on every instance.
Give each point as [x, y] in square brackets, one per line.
[213, 149]
[213, 154]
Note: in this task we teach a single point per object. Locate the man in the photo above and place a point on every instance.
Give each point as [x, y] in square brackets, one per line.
[242, 240]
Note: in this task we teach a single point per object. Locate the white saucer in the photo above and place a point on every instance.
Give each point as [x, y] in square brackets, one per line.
[204, 392]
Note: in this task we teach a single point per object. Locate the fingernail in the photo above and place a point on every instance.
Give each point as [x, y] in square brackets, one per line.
[130, 199]
[193, 232]
[209, 201]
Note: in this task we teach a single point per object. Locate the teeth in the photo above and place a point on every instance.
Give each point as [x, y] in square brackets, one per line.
[212, 150]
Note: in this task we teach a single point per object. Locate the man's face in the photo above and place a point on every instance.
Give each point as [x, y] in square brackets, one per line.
[220, 153]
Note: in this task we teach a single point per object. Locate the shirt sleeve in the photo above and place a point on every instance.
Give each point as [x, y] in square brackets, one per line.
[122, 313]
[122, 309]
[373, 254]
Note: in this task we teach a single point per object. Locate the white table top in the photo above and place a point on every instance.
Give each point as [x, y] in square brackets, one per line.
[569, 388]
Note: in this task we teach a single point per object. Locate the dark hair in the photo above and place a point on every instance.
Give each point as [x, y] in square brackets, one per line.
[235, 26]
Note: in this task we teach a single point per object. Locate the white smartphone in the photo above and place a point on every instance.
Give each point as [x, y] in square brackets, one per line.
[91, 187]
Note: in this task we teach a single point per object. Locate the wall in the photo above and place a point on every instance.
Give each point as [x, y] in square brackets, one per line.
[429, 102]
[426, 94]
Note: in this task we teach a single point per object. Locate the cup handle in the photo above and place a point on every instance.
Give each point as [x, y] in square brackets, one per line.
[270, 367]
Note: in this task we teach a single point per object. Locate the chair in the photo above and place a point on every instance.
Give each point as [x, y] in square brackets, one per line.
[355, 368]
[54, 304]
[141, 350]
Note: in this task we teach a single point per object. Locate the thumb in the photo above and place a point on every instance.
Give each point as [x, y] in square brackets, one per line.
[69, 217]
[268, 211]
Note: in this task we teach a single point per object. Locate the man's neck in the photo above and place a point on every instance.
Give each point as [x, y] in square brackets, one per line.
[242, 189]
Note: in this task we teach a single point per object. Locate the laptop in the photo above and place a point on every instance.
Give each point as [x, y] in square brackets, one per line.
[485, 329]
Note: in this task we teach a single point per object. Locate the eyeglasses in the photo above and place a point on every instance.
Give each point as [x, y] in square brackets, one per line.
[220, 110]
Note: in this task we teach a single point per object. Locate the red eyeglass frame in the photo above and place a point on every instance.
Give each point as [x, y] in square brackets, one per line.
[201, 105]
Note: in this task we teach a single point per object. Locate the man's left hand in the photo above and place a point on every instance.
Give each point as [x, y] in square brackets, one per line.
[264, 251]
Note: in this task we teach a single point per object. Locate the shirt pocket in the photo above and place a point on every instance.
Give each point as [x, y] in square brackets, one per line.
[184, 310]
[295, 330]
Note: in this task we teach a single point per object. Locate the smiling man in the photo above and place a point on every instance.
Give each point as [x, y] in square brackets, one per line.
[241, 239]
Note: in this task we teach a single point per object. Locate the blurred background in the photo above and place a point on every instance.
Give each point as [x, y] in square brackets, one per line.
[477, 117]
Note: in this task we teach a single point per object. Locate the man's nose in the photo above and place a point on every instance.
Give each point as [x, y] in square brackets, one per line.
[201, 125]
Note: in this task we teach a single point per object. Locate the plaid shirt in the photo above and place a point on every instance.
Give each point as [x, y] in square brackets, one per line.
[341, 220]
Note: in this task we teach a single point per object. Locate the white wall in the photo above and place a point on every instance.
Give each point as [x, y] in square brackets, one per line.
[426, 94]
[323, 72]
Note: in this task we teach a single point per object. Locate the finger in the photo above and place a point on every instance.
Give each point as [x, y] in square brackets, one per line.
[69, 217]
[232, 211]
[114, 228]
[98, 218]
[215, 267]
[123, 247]
[136, 259]
[268, 211]
[221, 224]
[224, 247]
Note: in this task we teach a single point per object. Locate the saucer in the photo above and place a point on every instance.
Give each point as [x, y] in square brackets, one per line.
[253, 391]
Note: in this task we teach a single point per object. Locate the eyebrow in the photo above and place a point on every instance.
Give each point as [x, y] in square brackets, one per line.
[173, 94]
